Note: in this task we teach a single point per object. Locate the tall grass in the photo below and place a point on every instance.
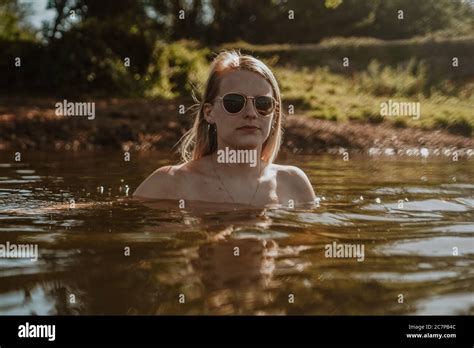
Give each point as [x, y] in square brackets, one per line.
[319, 93]
[405, 80]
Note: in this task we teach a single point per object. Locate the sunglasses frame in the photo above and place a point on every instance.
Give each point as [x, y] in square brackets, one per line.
[246, 97]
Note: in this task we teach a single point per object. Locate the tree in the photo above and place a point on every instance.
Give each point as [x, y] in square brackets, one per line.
[13, 25]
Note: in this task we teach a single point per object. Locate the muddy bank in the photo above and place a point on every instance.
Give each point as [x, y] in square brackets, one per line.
[312, 136]
[141, 125]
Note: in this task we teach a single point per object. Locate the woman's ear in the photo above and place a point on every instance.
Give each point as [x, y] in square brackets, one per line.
[207, 108]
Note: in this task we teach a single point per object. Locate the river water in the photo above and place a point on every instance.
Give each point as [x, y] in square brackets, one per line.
[410, 219]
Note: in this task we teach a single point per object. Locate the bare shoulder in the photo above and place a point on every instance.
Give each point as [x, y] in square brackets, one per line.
[293, 183]
[163, 183]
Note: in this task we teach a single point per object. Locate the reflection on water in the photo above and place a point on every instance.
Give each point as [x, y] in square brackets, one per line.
[102, 253]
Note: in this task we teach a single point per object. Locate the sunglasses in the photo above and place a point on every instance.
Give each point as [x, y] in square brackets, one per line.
[234, 103]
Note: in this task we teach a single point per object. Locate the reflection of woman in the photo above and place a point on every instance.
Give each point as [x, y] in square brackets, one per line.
[235, 273]
[228, 154]
[236, 263]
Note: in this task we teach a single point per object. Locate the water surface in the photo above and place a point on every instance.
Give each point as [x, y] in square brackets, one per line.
[414, 218]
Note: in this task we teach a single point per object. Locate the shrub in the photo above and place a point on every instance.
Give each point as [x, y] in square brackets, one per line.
[460, 126]
[176, 69]
[400, 123]
[404, 80]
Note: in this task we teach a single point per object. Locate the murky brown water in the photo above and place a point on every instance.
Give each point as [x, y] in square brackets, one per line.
[411, 216]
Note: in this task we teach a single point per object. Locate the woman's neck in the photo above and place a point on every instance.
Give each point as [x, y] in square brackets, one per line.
[238, 162]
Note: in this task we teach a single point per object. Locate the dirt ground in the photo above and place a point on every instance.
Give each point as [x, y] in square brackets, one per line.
[31, 123]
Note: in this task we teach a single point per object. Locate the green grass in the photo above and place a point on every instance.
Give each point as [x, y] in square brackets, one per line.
[321, 94]
[416, 70]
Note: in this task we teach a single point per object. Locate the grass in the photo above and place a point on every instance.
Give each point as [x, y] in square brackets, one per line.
[320, 93]
[415, 70]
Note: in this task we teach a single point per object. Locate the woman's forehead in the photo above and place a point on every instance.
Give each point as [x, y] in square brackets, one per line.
[245, 82]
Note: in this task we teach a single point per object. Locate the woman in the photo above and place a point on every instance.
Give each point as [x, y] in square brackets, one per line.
[228, 154]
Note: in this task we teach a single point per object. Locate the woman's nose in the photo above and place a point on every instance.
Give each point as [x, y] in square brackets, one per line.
[250, 111]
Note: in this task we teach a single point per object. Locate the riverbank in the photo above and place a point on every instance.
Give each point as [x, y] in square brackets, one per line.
[144, 125]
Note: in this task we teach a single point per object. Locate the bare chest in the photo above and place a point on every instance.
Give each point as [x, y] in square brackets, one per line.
[215, 189]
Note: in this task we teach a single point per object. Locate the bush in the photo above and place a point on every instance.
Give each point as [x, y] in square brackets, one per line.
[373, 118]
[176, 69]
[404, 80]
[460, 126]
[83, 64]
[400, 123]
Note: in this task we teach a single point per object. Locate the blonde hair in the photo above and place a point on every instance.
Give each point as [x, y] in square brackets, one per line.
[201, 139]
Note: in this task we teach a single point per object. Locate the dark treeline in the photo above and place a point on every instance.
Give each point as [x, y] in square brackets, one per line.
[268, 21]
[85, 47]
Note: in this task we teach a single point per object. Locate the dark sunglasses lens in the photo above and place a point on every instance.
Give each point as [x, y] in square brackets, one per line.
[264, 105]
[234, 103]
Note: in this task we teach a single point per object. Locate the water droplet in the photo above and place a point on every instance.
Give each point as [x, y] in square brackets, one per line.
[377, 200]
[317, 200]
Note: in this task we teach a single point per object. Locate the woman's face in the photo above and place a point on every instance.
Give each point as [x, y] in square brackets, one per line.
[229, 126]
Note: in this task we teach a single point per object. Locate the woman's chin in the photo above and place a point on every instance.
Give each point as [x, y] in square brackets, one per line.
[247, 142]
[247, 145]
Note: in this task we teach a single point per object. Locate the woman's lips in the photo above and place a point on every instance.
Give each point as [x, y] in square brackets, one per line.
[248, 128]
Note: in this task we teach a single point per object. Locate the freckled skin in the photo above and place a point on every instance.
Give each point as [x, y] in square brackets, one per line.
[207, 180]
